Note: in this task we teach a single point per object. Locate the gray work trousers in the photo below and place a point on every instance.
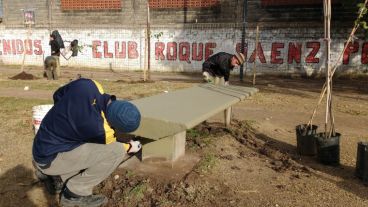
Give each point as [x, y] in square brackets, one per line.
[86, 166]
[57, 69]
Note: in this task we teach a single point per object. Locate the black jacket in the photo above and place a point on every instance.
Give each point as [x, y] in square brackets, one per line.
[55, 48]
[219, 65]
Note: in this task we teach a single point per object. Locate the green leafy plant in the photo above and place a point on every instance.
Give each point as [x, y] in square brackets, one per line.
[136, 194]
[361, 19]
[129, 174]
[158, 35]
[198, 139]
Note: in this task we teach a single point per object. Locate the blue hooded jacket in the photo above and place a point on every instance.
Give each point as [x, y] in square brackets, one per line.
[77, 117]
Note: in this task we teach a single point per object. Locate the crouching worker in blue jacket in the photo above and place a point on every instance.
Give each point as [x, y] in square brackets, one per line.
[75, 148]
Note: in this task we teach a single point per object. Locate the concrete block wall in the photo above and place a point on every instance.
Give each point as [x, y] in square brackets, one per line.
[1, 10]
[279, 51]
[343, 13]
[13, 15]
[133, 13]
[117, 48]
[227, 11]
[117, 38]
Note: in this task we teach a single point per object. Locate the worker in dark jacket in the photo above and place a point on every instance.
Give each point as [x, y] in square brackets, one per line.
[77, 142]
[219, 66]
[55, 52]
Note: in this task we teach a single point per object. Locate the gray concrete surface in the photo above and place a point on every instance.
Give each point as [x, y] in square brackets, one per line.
[170, 113]
[166, 117]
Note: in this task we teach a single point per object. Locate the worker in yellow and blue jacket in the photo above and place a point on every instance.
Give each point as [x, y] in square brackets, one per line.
[76, 146]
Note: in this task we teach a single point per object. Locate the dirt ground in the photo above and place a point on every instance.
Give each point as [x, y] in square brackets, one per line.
[252, 163]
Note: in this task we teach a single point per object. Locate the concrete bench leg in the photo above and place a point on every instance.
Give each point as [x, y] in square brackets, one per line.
[227, 116]
[171, 147]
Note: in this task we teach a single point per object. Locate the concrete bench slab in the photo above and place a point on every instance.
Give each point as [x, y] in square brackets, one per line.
[169, 113]
[167, 116]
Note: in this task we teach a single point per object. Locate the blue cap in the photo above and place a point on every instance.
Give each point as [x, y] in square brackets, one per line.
[123, 116]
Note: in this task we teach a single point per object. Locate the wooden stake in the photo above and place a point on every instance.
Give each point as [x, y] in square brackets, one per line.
[148, 41]
[327, 17]
[147, 68]
[50, 15]
[255, 58]
[29, 31]
[145, 58]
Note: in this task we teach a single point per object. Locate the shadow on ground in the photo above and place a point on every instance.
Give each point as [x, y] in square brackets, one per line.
[284, 156]
[17, 188]
[349, 182]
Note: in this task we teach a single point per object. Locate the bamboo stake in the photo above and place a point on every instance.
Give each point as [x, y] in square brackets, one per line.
[327, 68]
[255, 57]
[332, 129]
[331, 119]
[334, 68]
[319, 102]
[323, 91]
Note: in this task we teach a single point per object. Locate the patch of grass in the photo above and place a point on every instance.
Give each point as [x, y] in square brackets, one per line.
[137, 192]
[194, 133]
[121, 90]
[33, 84]
[352, 75]
[18, 108]
[250, 123]
[129, 174]
[198, 139]
[138, 90]
[208, 161]
[354, 111]
[165, 202]
[13, 103]
[18, 113]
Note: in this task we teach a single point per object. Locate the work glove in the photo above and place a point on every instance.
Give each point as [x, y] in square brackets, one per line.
[134, 147]
[226, 83]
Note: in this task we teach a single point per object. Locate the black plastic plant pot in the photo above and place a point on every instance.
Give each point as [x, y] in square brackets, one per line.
[328, 149]
[305, 139]
[361, 169]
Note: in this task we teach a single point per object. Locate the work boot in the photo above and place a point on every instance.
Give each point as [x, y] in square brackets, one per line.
[53, 184]
[69, 199]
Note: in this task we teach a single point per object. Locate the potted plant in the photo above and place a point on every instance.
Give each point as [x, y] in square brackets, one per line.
[361, 170]
[328, 142]
[305, 139]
